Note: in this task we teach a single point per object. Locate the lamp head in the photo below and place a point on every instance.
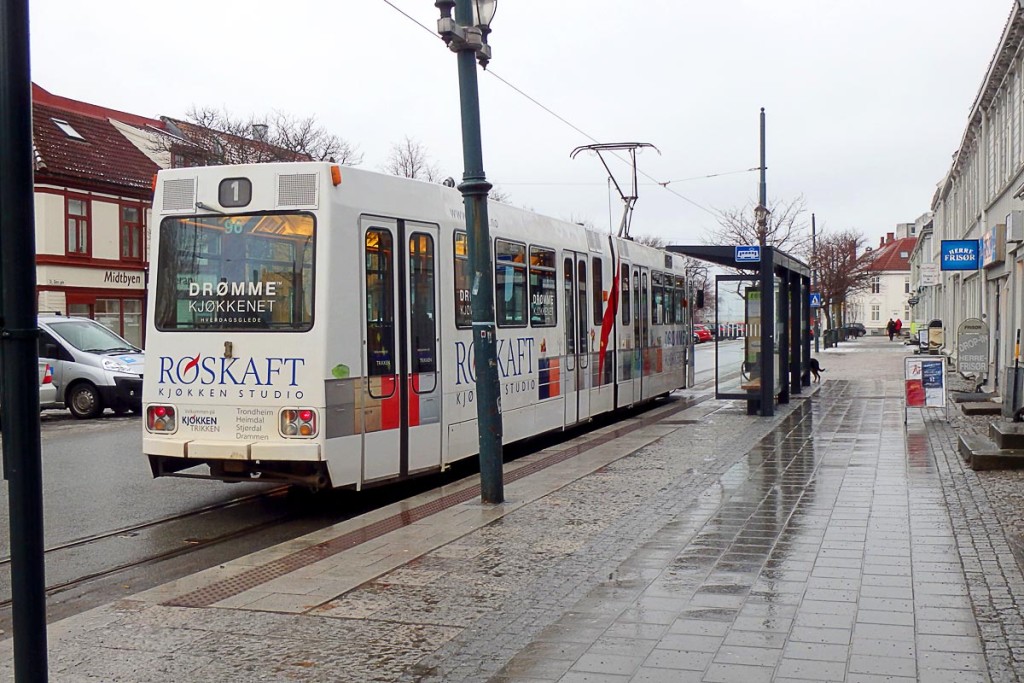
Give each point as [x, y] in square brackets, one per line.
[483, 13]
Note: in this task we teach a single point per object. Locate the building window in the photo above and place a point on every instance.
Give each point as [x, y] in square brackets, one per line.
[876, 313]
[122, 315]
[78, 226]
[67, 129]
[906, 285]
[131, 233]
[876, 284]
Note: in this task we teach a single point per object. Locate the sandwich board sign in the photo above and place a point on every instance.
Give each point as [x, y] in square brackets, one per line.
[924, 383]
[972, 347]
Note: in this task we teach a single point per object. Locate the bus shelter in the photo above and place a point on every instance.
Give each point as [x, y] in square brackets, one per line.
[775, 291]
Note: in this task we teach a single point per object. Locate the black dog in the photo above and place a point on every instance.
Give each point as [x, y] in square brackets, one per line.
[815, 368]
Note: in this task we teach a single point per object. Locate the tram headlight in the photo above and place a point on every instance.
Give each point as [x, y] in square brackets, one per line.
[298, 423]
[161, 419]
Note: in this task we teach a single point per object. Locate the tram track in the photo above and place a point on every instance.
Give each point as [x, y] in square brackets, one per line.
[135, 528]
[92, 570]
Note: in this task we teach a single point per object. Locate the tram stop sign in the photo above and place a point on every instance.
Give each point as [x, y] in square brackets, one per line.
[815, 299]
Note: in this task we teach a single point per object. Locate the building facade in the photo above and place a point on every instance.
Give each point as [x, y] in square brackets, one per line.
[889, 289]
[980, 198]
[93, 199]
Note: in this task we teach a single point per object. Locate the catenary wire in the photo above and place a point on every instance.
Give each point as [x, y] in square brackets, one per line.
[547, 109]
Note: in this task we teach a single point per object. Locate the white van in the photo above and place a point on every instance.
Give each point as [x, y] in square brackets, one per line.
[93, 368]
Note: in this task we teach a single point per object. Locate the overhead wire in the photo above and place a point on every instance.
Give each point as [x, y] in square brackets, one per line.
[535, 101]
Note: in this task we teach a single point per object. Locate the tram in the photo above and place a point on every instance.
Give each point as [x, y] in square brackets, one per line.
[311, 324]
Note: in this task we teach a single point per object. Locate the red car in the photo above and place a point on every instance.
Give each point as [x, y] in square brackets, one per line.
[701, 334]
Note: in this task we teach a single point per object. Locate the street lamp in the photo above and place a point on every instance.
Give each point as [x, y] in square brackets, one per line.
[761, 214]
[466, 35]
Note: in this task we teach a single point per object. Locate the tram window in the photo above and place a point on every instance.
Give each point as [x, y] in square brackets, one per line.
[380, 303]
[624, 296]
[667, 300]
[645, 307]
[680, 300]
[543, 285]
[637, 343]
[463, 304]
[239, 272]
[581, 290]
[658, 291]
[423, 323]
[570, 319]
[597, 272]
[510, 283]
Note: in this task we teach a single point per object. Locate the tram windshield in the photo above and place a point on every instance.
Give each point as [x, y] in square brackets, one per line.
[235, 273]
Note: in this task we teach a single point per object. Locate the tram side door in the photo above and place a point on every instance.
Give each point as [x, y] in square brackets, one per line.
[399, 394]
[422, 418]
[641, 329]
[575, 288]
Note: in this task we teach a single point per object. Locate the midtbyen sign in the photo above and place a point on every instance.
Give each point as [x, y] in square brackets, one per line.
[960, 255]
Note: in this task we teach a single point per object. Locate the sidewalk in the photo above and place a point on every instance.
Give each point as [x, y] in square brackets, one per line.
[687, 544]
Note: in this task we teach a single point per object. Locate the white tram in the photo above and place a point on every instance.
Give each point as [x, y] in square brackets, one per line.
[311, 324]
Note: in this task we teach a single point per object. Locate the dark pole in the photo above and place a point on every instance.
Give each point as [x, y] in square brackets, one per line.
[814, 277]
[19, 354]
[763, 194]
[474, 188]
[767, 282]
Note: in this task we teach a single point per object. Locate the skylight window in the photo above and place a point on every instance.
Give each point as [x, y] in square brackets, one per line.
[904, 254]
[68, 129]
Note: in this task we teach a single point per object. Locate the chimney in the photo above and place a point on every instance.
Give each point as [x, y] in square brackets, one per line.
[881, 242]
[889, 237]
[259, 132]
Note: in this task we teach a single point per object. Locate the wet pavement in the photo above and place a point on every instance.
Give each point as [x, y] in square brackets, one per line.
[829, 543]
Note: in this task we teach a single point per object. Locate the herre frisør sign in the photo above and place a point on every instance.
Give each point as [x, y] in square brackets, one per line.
[960, 255]
[972, 347]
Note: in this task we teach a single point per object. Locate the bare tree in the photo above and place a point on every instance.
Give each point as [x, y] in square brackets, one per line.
[306, 136]
[409, 159]
[655, 241]
[786, 228]
[211, 137]
[499, 195]
[840, 272]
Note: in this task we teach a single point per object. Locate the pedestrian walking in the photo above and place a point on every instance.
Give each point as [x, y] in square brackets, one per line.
[890, 328]
[897, 326]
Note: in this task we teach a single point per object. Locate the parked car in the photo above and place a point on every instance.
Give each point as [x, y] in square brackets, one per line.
[47, 392]
[92, 368]
[701, 334]
[855, 330]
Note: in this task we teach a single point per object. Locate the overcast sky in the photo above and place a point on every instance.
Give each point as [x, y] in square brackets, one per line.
[866, 99]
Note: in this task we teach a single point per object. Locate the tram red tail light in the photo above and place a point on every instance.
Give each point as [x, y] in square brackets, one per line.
[161, 419]
[298, 422]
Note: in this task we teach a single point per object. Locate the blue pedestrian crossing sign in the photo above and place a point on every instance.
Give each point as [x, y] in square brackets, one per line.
[815, 299]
